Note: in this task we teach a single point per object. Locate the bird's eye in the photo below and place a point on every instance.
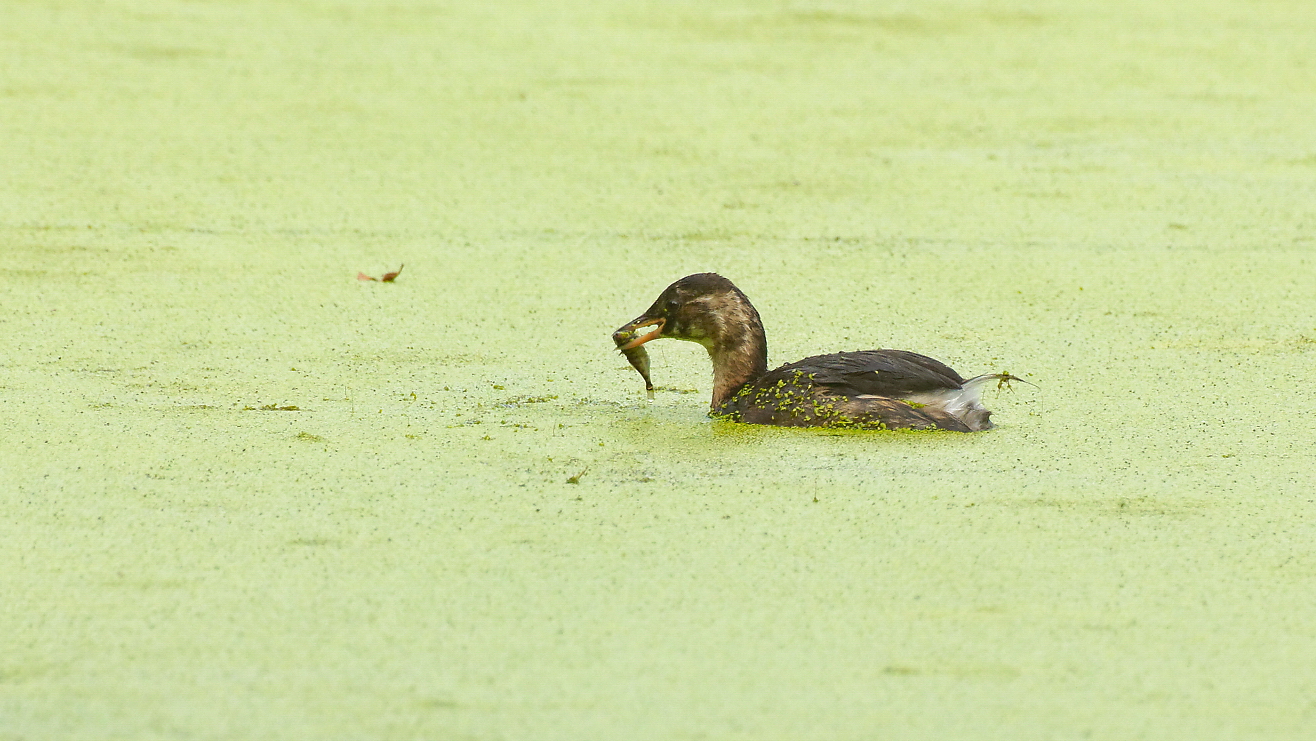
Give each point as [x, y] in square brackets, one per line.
[672, 305]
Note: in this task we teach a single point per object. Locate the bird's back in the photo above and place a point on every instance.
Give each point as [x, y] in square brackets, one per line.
[885, 389]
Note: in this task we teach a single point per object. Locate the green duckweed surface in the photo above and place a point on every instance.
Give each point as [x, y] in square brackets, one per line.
[245, 495]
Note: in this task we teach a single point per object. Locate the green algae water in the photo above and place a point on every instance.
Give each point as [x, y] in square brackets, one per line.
[244, 495]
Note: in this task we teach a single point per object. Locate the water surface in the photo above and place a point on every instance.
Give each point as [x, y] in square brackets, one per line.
[246, 495]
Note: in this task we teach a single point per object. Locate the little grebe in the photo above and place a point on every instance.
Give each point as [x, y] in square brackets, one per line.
[878, 389]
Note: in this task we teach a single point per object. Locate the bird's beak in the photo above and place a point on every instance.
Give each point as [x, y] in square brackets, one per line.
[626, 338]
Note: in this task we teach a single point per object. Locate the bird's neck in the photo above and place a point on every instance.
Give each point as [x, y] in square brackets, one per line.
[739, 356]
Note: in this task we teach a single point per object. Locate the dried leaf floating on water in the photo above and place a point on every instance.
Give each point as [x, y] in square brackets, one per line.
[388, 277]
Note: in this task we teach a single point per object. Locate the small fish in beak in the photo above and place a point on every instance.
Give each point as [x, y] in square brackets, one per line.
[631, 342]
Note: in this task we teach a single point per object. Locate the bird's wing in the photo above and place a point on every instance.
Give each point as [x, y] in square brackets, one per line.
[890, 373]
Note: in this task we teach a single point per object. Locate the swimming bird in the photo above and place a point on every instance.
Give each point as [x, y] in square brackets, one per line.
[875, 389]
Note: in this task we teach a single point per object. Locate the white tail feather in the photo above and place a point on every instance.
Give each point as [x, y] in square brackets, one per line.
[956, 402]
[965, 402]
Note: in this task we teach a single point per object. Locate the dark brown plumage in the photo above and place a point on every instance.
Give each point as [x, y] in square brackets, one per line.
[883, 389]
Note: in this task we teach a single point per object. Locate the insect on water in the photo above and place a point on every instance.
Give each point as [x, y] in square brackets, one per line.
[1003, 381]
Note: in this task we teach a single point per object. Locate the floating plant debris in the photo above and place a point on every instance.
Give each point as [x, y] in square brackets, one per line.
[387, 278]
